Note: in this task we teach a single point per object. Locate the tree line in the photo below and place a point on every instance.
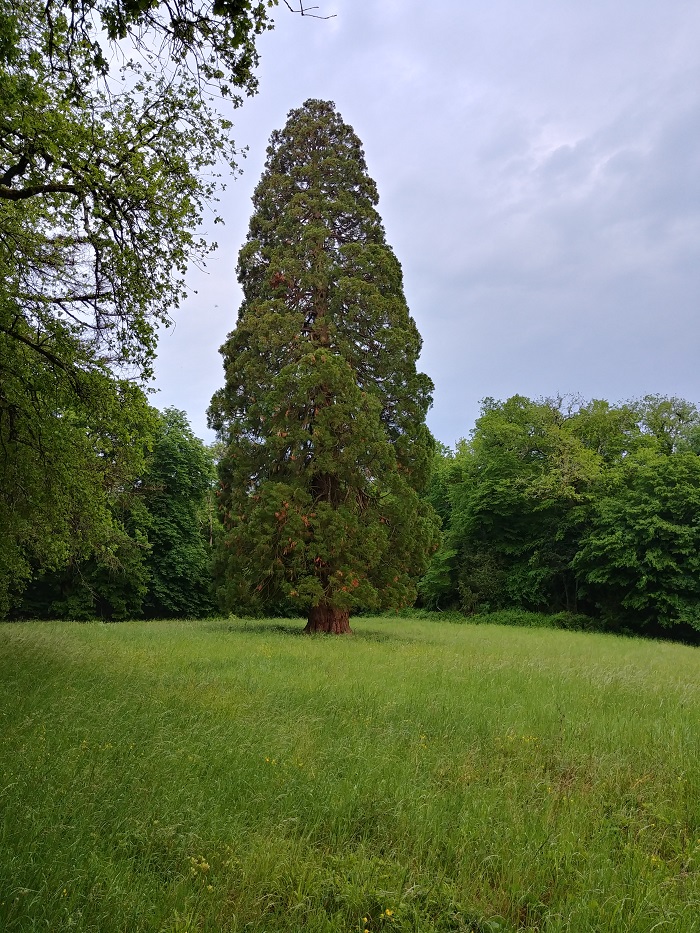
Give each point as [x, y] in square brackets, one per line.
[564, 505]
[152, 556]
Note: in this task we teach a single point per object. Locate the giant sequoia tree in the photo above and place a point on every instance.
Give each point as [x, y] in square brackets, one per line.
[323, 411]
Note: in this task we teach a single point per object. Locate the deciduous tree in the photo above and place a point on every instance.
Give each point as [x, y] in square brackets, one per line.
[176, 486]
[153, 553]
[563, 504]
[107, 145]
[640, 558]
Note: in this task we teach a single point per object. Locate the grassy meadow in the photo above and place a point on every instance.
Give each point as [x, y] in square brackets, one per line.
[224, 775]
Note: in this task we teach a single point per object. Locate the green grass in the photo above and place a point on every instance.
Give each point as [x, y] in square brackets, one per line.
[229, 776]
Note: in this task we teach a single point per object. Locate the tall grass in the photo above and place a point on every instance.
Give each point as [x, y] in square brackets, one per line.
[232, 775]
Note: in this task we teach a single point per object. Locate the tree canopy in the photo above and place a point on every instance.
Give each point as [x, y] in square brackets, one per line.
[103, 179]
[108, 153]
[566, 505]
[323, 410]
[153, 557]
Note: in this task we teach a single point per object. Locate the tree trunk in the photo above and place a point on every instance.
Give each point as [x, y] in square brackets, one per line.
[328, 619]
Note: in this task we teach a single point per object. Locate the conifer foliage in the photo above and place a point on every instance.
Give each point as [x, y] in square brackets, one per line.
[323, 411]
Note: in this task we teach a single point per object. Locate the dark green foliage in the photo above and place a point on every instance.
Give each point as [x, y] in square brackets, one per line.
[109, 585]
[66, 457]
[219, 36]
[176, 490]
[153, 556]
[323, 411]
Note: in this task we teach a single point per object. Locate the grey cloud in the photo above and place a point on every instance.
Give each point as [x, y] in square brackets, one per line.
[539, 173]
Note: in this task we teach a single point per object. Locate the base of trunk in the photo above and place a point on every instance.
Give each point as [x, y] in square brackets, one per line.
[328, 619]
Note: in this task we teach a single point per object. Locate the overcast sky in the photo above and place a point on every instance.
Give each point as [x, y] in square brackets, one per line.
[538, 166]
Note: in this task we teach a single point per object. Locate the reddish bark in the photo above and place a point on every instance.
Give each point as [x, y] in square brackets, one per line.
[328, 619]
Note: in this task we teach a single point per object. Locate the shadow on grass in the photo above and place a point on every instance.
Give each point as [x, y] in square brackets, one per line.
[257, 626]
[381, 636]
[296, 628]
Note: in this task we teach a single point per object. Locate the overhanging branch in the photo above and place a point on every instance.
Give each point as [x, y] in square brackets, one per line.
[21, 194]
[47, 354]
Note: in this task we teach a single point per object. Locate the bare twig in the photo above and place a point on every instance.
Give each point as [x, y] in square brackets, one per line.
[304, 11]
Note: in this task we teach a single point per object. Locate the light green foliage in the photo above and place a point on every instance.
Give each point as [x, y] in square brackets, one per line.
[323, 410]
[427, 777]
[104, 176]
[576, 506]
[670, 422]
[516, 503]
[436, 588]
[640, 557]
